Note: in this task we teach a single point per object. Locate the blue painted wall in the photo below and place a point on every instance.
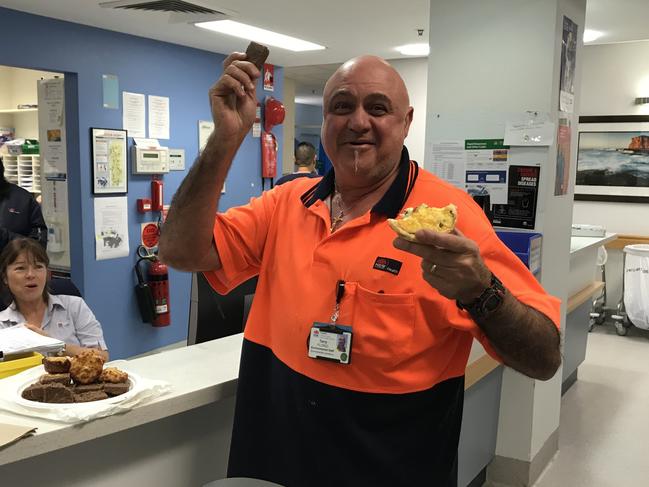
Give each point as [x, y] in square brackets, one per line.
[307, 117]
[146, 66]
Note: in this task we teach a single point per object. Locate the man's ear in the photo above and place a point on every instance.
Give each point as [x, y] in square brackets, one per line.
[408, 120]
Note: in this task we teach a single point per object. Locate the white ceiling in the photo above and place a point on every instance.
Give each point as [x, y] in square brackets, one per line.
[347, 27]
[618, 20]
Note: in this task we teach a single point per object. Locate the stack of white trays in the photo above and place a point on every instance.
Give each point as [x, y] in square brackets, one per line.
[26, 172]
[11, 168]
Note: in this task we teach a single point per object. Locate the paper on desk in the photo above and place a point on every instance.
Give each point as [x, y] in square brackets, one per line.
[144, 390]
[13, 432]
[20, 339]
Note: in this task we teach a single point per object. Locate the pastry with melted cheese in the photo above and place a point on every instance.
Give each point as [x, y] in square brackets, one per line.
[424, 217]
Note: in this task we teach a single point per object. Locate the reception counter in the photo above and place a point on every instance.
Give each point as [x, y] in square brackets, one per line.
[182, 438]
[584, 283]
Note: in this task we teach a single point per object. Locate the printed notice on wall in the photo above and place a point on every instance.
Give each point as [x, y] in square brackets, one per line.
[158, 117]
[449, 161]
[562, 178]
[568, 65]
[205, 129]
[486, 169]
[51, 127]
[111, 228]
[133, 114]
[520, 210]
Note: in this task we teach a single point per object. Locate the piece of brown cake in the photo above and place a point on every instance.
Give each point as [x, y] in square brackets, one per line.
[57, 393]
[34, 392]
[95, 386]
[90, 396]
[257, 54]
[56, 365]
[116, 389]
[63, 379]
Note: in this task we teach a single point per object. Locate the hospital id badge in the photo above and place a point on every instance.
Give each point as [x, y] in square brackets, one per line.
[329, 341]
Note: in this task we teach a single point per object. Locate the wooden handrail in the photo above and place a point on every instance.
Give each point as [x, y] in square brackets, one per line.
[623, 240]
[584, 295]
[477, 370]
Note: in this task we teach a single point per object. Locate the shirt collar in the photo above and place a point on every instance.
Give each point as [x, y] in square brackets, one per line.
[16, 316]
[53, 300]
[392, 201]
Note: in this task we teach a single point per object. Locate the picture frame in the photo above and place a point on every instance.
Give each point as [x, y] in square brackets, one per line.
[109, 156]
[613, 159]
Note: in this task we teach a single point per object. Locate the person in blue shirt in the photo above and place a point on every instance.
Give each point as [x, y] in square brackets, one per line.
[23, 273]
[305, 162]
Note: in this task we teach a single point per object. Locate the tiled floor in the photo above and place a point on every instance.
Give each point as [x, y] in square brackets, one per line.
[604, 430]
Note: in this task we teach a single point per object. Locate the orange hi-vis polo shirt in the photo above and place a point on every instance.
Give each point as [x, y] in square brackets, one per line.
[408, 340]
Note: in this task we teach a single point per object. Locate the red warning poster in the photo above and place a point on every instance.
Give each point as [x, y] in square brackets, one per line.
[269, 79]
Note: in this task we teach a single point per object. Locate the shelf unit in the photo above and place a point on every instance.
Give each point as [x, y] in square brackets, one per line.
[24, 170]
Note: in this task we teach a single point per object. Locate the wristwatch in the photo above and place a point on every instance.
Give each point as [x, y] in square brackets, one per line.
[489, 301]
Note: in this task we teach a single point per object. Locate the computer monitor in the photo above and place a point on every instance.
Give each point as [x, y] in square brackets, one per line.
[212, 315]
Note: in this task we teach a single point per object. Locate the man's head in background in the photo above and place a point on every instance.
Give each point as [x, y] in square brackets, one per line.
[305, 157]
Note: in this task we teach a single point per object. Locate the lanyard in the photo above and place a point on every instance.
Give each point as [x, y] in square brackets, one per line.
[340, 292]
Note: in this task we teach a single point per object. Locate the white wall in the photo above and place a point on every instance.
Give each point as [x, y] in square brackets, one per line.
[613, 76]
[17, 87]
[415, 74]
[288, 155]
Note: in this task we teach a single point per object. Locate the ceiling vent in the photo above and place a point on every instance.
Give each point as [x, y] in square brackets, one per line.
[180, 10]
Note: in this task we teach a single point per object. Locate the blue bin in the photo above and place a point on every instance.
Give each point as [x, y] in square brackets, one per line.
[526, 245]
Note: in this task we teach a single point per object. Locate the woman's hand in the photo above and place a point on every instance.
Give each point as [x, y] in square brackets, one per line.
[37, 329]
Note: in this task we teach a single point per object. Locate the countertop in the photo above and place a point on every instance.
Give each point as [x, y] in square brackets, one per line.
[199, 374]
[582, 243]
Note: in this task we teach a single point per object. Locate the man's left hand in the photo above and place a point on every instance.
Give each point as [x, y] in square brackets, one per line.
[451, 263]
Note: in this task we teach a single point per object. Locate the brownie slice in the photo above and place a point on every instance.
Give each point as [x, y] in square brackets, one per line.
[257, 54]
[63, 379]
[116, 389]
[90, 396]
[81, 388]
[56, 365]
[34, 392]
[57, 393]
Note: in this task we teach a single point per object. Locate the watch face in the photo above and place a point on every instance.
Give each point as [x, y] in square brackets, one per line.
[492, 302]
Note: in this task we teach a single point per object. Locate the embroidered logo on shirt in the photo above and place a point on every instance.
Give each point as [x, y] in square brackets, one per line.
[388, 265]
[13, 210]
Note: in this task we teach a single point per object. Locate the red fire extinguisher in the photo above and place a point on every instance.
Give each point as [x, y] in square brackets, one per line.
[158, 279]
[268, 155]
[157, 201]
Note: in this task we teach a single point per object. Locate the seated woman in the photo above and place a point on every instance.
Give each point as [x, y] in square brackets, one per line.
[23, 271]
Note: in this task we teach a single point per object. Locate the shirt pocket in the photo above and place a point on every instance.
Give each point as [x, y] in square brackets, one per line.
[383, 326]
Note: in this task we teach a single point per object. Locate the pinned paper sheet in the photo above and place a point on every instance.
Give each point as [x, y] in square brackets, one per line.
[534, 129]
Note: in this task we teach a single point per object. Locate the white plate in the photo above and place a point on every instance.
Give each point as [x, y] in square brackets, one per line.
[133, 379]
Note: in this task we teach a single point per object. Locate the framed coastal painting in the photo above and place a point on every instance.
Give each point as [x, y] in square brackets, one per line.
[613, 162]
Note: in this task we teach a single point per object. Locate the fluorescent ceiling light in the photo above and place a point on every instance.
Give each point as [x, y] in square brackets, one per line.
[263, 36]
[592, 35]
[414, 49]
